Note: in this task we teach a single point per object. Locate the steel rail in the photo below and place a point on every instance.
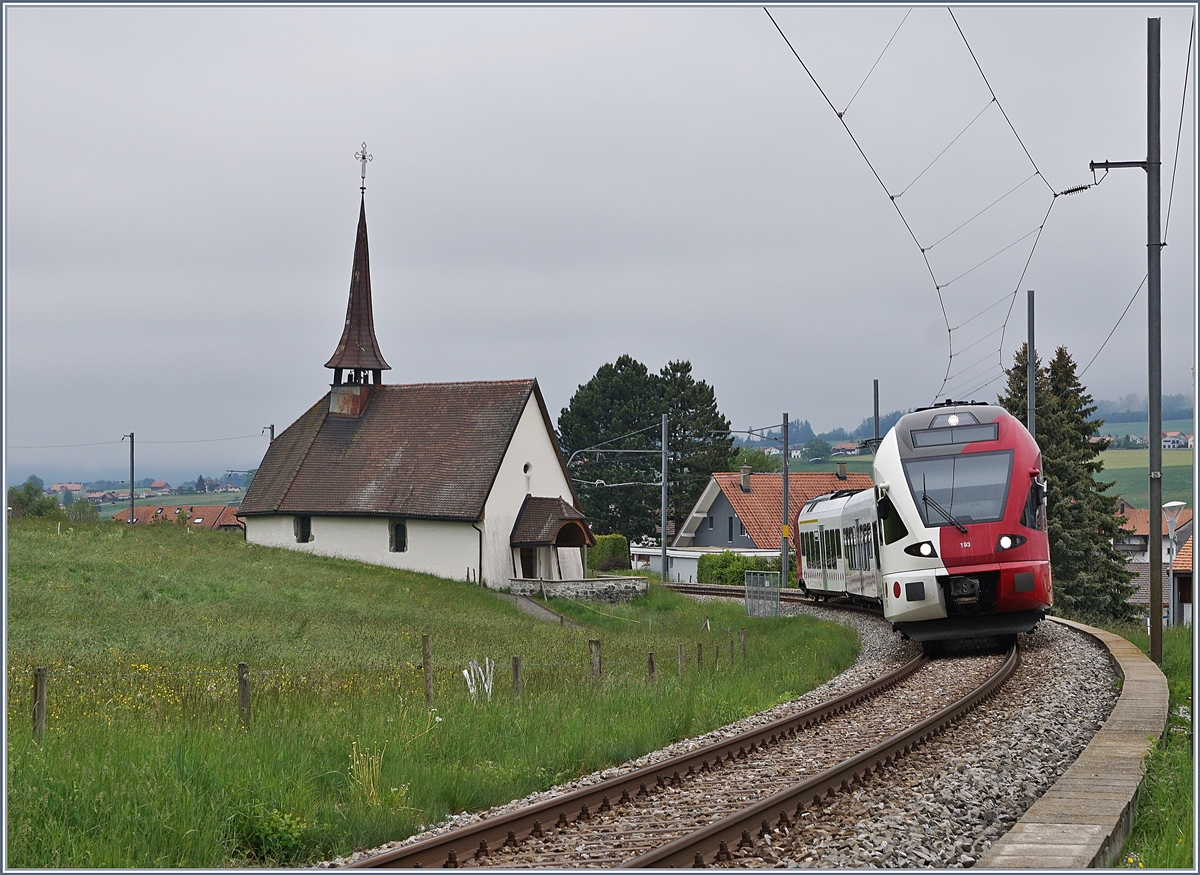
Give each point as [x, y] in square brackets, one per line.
[482, 838]
[794, 596]
[713, 842]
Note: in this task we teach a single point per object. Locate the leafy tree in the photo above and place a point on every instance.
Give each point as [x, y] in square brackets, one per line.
[698, 438]
[249, 478]
[28, 500]
[66, 497]
[36, 481]
[759, 460]
[201, 484]
[1090, 577]
[83, 511]
[621, 407]
[817, 449]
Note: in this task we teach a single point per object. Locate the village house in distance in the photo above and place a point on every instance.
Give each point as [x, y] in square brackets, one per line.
[460, 480]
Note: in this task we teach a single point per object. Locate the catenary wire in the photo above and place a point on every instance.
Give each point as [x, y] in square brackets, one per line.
[981, 212]
[1007, 296]
[928, 266]
[1179, 133]
[998, 104]
[1166, 224]
[944, 151]
[876, 64]
[65, 446]
[1024, 236]
[1115, 327]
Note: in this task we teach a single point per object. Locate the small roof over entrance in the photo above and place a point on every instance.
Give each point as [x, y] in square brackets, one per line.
[550, 522]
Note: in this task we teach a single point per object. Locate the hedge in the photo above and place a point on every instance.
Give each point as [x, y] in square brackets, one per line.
[610, 553]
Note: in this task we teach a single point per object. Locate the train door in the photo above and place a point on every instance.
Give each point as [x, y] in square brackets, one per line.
[824, 549]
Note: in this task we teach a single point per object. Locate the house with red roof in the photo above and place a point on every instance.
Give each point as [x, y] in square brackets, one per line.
[203, 516]
[742, 513]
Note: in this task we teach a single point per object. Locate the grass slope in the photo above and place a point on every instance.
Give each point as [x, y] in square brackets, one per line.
[1163, 827]
[145, 762]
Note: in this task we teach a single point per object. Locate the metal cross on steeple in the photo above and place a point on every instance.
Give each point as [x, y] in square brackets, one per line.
[364, 157]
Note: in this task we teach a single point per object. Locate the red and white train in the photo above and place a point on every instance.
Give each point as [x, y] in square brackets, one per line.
[952, 539]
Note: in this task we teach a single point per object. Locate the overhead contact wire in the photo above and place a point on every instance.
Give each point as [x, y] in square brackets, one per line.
[999, 105]
[984, 210]
[944, 151]
[874, 172]
[876, 64]
[1179, 133]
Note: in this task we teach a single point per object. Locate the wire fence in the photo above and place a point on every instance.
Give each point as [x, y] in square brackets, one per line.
[58, 697]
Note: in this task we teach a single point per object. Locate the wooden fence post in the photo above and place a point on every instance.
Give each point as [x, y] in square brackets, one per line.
[650, 667]
[594, 644]
[730, 648]
[244, 695]
[681, 662]
[39, 703]
[427, 668]
[516, 677]
[716, 656]
[742, 635]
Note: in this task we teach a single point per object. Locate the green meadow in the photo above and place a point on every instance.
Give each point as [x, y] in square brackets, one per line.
[1130, 469]
[146, 762]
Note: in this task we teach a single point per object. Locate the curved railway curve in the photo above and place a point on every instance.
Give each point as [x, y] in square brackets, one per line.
[699, 807]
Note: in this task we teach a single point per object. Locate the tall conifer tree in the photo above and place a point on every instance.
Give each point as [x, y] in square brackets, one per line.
[1090, 576]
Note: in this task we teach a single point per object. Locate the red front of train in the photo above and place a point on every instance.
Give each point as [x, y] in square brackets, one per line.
[976, 493]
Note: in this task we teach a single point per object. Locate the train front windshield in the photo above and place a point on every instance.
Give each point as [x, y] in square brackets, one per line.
[966, 488]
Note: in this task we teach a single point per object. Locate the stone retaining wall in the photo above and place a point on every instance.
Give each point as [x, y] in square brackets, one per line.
[597, 589]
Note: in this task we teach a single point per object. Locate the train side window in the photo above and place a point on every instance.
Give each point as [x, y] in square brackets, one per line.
[893, 527]
[1032, 516]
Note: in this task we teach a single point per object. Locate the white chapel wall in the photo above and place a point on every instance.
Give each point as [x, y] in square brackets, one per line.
[532, 444]
[444, 548]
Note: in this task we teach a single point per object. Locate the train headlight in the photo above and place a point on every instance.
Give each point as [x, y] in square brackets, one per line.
[924, 549]
[1007, 542]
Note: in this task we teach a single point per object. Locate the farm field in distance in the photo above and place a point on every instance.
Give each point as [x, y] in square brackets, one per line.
[1140, 429]
[1130, 469]
[145, 761]
[230, 499]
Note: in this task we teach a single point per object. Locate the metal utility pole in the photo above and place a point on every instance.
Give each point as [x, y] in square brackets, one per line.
[130, 436]
[876, 414]
[1152, 166]
[1030, 376]
[664, 499]
[783, 548]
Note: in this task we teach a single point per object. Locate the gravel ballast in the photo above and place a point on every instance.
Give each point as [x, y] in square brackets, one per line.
[946, 802]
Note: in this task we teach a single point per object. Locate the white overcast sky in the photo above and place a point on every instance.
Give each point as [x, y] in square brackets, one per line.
[553, 187]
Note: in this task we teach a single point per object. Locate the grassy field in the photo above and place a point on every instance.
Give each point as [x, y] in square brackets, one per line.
[1129, 468]
[1161, 837]
[229, 499]
[145, 762]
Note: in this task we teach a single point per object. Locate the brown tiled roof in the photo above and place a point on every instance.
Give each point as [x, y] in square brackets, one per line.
[1137, 520]
[1142, 595]
[210, 516]
[540, 520]
[761, 509]
[1183, 559]
[358, 347]
[425, 450]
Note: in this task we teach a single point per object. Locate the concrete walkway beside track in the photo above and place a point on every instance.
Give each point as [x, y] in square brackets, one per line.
[1083, 820]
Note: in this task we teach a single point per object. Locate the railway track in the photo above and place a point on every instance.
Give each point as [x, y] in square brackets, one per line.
[793, 596]
[717, 802]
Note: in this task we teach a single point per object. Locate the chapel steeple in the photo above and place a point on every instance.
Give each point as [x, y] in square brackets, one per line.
[357, 353]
